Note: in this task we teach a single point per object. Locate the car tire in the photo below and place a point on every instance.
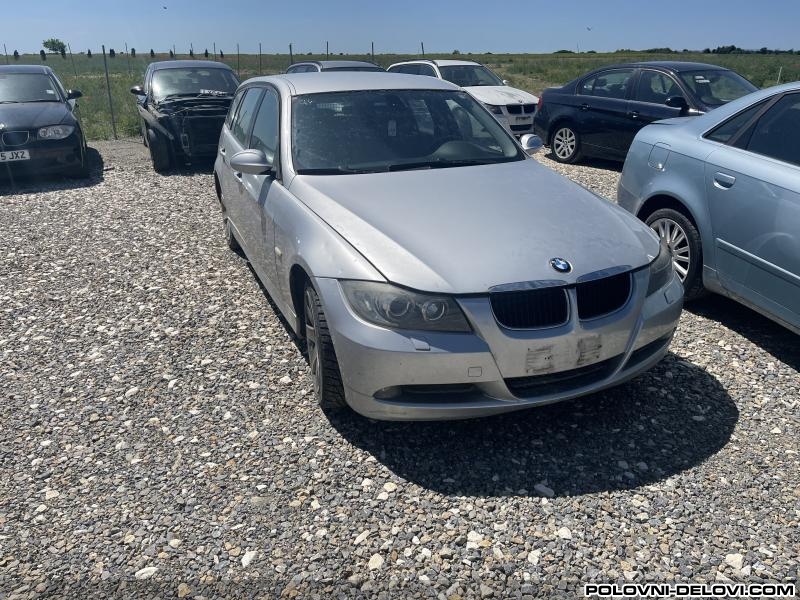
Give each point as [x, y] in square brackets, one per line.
[230, 238]
[143, 128]
[686, 246]
[81, 170]
[566, 144]
[159, 151]
[328, 386]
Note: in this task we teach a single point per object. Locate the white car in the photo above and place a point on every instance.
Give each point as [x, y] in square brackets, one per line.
[512, 107]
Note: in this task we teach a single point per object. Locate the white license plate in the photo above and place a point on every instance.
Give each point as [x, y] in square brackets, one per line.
[12, 155]
[520, 120]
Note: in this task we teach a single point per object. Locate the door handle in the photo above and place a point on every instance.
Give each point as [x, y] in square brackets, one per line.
[724, 181]
[634, 114]
[584, 107]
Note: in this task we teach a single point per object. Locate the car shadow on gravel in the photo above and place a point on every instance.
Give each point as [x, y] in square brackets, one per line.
[200, 167]
[666, 421]
[595, 163]
[35, 184]
[763, 332]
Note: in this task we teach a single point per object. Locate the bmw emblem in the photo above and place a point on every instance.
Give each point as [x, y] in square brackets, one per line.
[560, 265]
[2, 126]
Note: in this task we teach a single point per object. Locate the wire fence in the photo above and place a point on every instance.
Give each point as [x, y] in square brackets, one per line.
[105, 76]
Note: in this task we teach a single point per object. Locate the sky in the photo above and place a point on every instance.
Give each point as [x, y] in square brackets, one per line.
[351, 25]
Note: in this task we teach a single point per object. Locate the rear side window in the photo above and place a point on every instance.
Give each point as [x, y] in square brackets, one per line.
[245, 115]
[407, 69]
[777, 132]
[426, 70]
[608, 84]
[265, 129]
[724, 133]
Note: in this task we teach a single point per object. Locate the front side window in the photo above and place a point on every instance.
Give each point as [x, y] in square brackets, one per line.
[394, 130]
[717, 87]
[777, 133]
[27, 87]
[608, 84]
[469, 75]
[176, 83]
[655, 87]
[245, 115]
[265, 128]
[234, 105]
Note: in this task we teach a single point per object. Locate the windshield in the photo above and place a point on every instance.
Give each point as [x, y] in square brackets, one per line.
[193, 82]
[469, 75]
[394, 130]
[27, 87]
[715, 88]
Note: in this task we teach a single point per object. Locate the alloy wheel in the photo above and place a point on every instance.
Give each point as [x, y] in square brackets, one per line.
[312, 340]
[678, 242]
[564, 143]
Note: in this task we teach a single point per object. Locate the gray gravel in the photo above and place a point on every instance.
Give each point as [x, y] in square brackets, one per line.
[152, 445]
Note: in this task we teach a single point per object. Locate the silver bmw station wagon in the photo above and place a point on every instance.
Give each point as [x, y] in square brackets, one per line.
[433, 269]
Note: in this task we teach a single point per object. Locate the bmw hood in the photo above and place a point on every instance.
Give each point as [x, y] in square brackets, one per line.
[31, 115]
[500, 95]
[464, 230]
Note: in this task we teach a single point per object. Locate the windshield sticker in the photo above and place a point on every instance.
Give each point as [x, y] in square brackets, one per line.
[213, 93]
[701, 79]
[52, 92]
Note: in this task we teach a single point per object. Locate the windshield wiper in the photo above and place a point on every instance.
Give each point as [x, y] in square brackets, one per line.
[331, 171]
[26, 101]
[439, 164]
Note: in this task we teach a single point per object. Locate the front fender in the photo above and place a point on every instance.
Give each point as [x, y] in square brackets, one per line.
[154, 122]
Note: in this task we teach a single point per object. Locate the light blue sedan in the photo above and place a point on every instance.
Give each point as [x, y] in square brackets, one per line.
[723, 190]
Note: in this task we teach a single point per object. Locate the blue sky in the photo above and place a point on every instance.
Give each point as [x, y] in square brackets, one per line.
[350, 25]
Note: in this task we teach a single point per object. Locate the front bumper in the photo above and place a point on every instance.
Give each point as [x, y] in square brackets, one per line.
[394, 375]
[46, 156]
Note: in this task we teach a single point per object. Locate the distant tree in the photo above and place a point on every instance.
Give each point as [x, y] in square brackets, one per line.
[63, 53]
[42, 55]
[54, 45]
[191, 53]
[152, 54]
[566, 52]
[16, 55]
[205, 53]
[89, 53]
[171, 54]
[221, 54]
[591, 52]
[707, 51]
[763, 51]
[456, 51]
[133, 52]
[111, 53]
[341, 53]
[309, 53]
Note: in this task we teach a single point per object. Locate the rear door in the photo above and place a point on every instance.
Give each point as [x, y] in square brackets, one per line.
[648, 103]
[603, 121]
[753, 187]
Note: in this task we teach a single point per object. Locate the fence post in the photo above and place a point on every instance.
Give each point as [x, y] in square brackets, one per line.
[128, 56]
[780, 72]
[5, 52]
[215, 50]
[259, 59]
[108, 89]
[238, 70]
[422, 45]
[327, 50]
[72, 60]
[291, 56]
[373, 51]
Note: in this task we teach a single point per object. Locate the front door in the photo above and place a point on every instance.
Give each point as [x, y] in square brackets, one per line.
[753, 188]
[649, 100]
[603, 112]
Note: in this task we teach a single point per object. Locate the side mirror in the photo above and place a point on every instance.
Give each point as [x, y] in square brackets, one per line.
[252, 162]
[74, 94]
[137, 90]
[677, 102]
[531, 143]
[505, 81]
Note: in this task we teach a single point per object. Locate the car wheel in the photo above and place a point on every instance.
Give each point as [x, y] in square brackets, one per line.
[687, 250]
[81, 170]
[159, 151]
[143, 129]
[321, 355]
[230, 238]
[566, 145]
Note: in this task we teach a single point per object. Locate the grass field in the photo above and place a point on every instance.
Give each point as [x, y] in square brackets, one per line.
[532, 72]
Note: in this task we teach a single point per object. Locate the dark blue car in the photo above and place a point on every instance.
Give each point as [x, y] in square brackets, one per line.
[599, 114]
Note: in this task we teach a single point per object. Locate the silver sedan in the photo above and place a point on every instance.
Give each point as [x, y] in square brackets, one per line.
[433, 269]
[723, 190]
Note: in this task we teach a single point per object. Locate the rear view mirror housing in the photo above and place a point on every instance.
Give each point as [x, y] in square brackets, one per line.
[137, 90]
[677, 102]
[252, 162]
[74, 94]
[531, 143]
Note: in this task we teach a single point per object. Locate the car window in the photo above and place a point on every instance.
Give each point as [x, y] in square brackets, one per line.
[655, 87]
[717, 87]
[469, 75]
[234, 105]
[407, 69]
[777, 132]
[245, 114]
[265, 128]
[27, 87]
[725, 132]
[608, 84]
[191, 81]
[426, 70]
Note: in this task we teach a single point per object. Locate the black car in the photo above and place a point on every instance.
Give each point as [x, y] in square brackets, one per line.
[316, 66]
[182, 106]
[39, 128]
[599, 114]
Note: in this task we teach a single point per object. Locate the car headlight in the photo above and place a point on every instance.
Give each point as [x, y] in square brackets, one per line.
[494, 109]
[56, 132]
[389, 306]
[661, 269]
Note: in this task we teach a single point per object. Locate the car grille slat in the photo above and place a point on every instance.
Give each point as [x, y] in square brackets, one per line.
[514, 109]
[15, 138]
[531, 309]
[603, 296]
[528, 108]
[561, 382]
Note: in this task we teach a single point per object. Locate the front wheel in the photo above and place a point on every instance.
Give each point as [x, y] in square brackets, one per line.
[159, 151]
[328, 386]
[566, 145]
[684, 242]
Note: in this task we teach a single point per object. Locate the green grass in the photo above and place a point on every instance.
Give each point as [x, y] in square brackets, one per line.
[532, 72]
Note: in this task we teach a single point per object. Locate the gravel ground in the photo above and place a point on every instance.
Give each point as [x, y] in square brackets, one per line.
[160, 437]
